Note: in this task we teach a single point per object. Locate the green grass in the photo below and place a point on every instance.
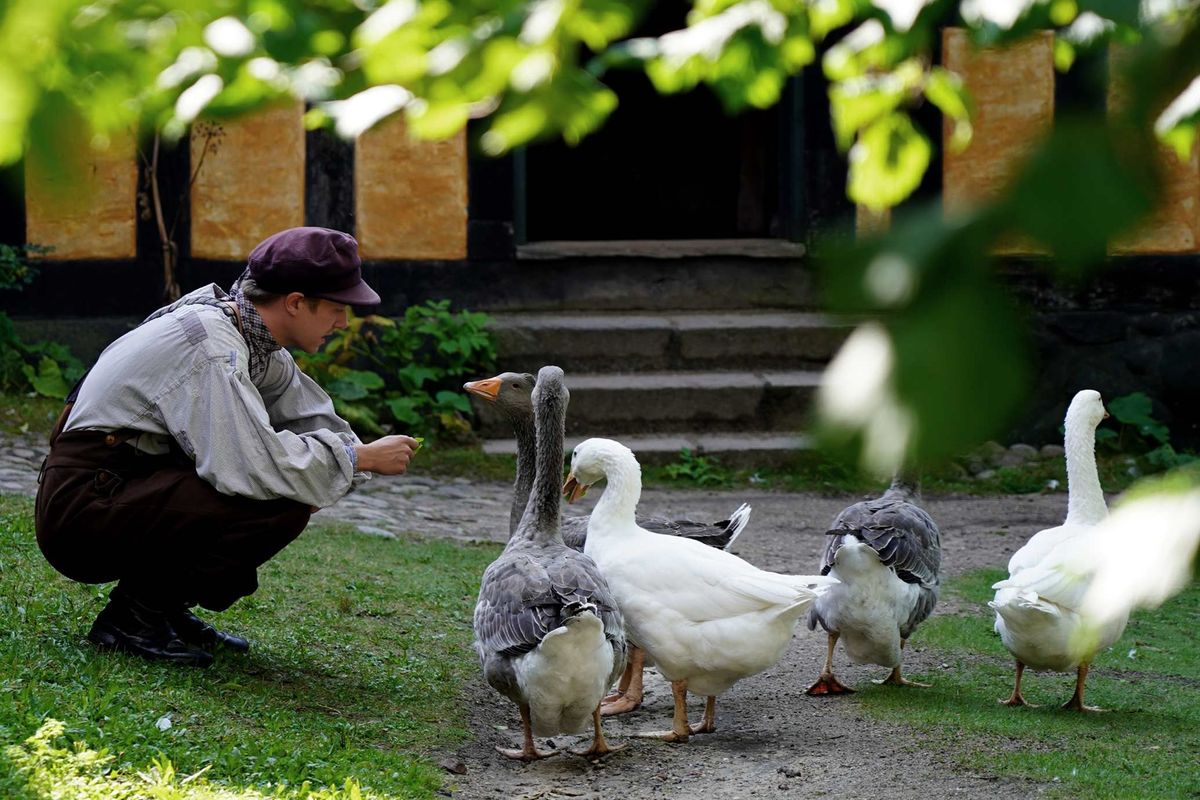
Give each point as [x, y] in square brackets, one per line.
[360, 647]
[20, 413]
[1145, 745]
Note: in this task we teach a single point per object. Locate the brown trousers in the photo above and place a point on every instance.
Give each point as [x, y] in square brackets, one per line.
[106, 512]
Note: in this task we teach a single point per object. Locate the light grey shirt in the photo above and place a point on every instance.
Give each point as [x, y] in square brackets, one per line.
[185, 375]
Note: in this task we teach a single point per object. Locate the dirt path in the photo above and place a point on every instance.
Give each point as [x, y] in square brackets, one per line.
[772, 740]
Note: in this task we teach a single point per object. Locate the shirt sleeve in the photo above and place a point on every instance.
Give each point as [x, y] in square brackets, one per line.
[297, 403]
[218, 415]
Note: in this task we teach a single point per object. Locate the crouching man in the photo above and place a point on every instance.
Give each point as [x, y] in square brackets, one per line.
[195, 449]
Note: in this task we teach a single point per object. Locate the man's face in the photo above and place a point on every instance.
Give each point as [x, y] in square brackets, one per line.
[313, 323]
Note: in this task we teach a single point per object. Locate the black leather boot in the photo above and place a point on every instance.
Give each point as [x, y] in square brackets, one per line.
[194, 630]
[129, 625]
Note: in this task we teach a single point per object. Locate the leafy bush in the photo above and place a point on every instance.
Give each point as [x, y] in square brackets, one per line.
[16, 272]
[404, 375]
[47, 368]
[697, 468]
[1140, 432]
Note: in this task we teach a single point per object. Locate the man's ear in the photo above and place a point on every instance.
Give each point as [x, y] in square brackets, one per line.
[292, 302]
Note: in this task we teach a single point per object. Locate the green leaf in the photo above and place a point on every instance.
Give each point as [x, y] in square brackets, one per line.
[1123, 12]
[414, 376]
[945, 90]
[360, 416]
[405, 410]
[1178, 123]
[856, 103]
[355, 385]
[1078, 191]
[48, 379]
[888, 162]
[453, 400]
[1136, 410]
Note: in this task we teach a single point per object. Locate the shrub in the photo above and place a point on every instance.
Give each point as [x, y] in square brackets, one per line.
[404, 375]
[694, 467]
[46, 368]
[1138, 431]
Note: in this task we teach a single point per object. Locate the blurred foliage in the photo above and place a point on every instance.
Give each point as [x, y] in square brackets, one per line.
[405, 375]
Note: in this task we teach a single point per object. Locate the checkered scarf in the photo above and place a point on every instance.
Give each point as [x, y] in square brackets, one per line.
[258, 338]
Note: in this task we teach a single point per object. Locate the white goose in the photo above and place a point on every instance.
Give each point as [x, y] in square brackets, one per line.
[705, 616]
[548, 632]
[1037, 607]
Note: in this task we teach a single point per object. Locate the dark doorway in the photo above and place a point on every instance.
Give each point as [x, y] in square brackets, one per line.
[661, 167]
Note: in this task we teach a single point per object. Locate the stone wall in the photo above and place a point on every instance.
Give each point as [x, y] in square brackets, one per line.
[1134, 328]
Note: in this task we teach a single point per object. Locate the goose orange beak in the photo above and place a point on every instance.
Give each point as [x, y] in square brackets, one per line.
[487, 388]
[573, 489]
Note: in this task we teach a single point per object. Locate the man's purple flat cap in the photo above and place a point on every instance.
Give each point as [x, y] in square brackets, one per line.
[317, 262]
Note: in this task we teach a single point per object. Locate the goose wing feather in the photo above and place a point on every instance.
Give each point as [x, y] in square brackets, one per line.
[903, 534]
[523, 597]
[720, 534]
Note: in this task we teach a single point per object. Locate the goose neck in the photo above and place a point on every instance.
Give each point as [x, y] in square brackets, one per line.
[543, 511]
[624, 489]
[1085, 497]
[523, 432]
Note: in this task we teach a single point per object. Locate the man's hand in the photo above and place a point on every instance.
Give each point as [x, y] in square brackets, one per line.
[387, 456]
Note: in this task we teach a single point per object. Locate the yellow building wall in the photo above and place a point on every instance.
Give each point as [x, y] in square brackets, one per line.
[1174, 227]
[88, 209]
[1013, 91]
[410, 195]
[251, 182]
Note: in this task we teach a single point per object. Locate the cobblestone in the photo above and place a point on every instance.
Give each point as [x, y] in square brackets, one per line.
[385, 506]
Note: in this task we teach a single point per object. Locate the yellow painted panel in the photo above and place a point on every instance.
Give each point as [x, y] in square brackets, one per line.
[251, 182]
[1174, 227]
[89, 213]
[410, 195]
[1013, 90]
[868, 223]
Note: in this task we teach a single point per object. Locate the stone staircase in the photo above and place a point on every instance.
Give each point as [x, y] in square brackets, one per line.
[732, 380]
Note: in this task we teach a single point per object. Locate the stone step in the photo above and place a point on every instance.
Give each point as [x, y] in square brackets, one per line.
[684, 403]
[671, 340]
[632, 278]
[729, 449]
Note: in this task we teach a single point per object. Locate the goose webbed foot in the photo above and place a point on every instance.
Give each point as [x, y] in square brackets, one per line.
[620, 703]
[709, 723]
[826, 684]
[680, 730]
[896, 679]
[525, 754]
[1076, 702]
[600, 745]
[673, 736]
[629, 693]
[1016, 699]
[528, 751]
